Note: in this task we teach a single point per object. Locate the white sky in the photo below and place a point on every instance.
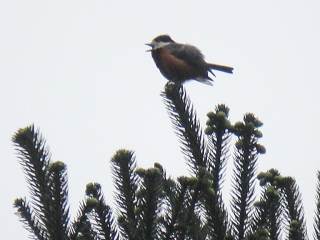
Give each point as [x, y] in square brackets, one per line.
[79, 71]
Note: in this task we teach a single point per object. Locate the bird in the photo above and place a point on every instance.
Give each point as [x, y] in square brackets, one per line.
[179, 62]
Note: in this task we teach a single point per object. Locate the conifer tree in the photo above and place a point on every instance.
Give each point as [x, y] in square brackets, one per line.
[152, 205]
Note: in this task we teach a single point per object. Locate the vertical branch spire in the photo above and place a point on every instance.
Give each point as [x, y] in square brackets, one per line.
[186, 125]
[293, 209]
[126, 180]
[218, 131]
[245, 158]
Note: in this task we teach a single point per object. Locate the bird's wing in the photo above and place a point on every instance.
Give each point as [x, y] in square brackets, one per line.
[187, 53]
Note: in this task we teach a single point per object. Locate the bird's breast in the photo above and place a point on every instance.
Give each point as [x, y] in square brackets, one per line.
[171, 67]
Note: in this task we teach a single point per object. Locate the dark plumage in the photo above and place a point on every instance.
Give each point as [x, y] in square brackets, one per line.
[181, 62]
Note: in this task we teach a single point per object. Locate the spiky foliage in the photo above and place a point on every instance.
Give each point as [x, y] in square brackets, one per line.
[215, 213]
[293, 209]
[126, 180]
[207, 161]
[218, 131]
[59, 191]
[151, 205]
[29, 219]
[316, 225]
[191, 208]
[176, 195]
[197, 230]
[245, 158]
[46, 217]
[268, 209]
[47, 184]
[260, 234]
[186, 125]
[149, 202]
[81, 227]
[102, 215]
[191, 137]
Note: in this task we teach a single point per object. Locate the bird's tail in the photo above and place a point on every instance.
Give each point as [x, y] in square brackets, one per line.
[221, 68]
[207, 80]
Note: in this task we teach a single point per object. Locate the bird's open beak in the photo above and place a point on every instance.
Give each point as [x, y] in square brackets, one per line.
[150, 45]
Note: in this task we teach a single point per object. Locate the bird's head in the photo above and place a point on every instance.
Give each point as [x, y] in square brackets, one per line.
[159, 42]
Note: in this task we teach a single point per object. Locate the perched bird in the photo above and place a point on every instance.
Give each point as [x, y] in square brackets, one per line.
[181, 62]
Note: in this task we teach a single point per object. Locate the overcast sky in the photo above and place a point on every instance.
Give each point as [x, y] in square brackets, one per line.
[78, 70]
